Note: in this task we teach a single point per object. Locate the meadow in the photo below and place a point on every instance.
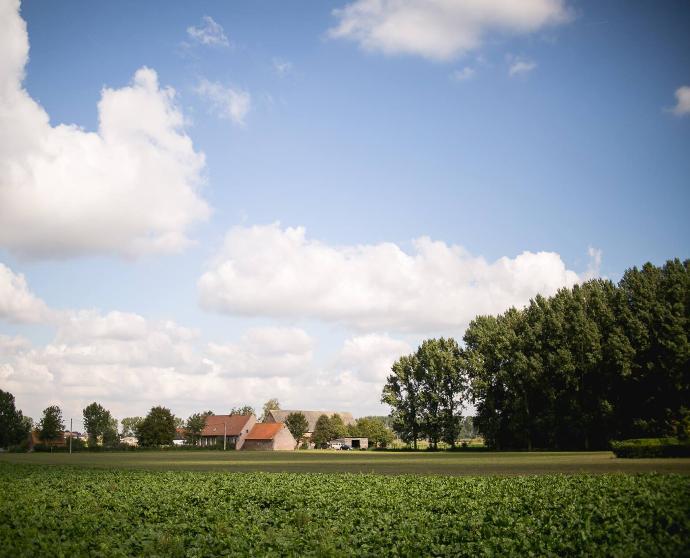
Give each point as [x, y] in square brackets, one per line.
[438, 463]
[74, 511]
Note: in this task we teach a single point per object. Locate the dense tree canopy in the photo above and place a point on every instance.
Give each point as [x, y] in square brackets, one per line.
[157, 428]
[14, 426]
[374, 429]
[592, 363]
[328, 429]
[100, 425]
[426, 391]
[297, 424]
[51, 425]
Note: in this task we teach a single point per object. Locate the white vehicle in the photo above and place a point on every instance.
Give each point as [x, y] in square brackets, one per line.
[335, 445]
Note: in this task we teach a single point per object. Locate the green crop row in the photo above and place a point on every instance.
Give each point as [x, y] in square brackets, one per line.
[60, 511]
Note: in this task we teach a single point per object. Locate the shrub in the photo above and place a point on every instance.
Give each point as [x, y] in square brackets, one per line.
[651, 447]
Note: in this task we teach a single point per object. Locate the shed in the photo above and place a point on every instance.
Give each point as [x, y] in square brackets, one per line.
[354, 442]
[269, 437]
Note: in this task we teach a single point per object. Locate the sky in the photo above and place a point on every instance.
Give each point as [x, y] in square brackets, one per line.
[210, 204]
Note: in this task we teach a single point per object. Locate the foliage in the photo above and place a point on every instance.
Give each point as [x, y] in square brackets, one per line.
[51, 425]
[651, 447]
[100, 425]
[194, 425]
[14, 426]
[592, 363]
[130, 425]
[327, 429]
[297, 424]
[270, 405]
[244, 410]
[374, 429]
[157, 429]
[81, 512]
[427, 391]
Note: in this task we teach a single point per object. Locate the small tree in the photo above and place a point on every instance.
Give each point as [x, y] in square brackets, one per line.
[130, 425]
[99, 425]
[157, 429]
[51, 425]
[338, 428]
[270, 405]
[194, 426]
[244, 410]
[322, 432]
[328, 429]
[14, 426]
[374, 429]
[297, 424]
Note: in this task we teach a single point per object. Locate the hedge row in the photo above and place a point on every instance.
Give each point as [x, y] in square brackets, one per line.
[651, 447]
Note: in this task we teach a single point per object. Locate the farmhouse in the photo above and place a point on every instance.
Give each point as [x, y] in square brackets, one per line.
[312, 417]
[227, 430]
[269, 436]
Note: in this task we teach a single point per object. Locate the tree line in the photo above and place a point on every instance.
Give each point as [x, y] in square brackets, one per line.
[160, 426]
[595, 362]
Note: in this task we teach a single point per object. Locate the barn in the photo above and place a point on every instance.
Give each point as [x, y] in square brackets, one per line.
[269, 437]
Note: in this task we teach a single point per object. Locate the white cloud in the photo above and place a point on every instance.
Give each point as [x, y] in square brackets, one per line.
[228, 103]
[370, 357]
[463, 74]
[682, 107]
[270, 271]
[209, 33]
[265, 352]
[282, 67]
[130, 363]
[441, 29]
[17, 303]
[129, 188]
[520, 66]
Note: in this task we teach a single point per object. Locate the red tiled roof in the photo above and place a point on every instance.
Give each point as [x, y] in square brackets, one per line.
[264, 430]
[234, 424]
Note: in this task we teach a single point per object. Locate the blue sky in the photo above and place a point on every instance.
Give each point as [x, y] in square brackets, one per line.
[333, 139]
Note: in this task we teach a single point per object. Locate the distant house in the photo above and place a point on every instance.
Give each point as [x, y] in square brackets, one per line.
[35, 439]
[312, 417]
[270, 437]
[231, 428]
[129, 440]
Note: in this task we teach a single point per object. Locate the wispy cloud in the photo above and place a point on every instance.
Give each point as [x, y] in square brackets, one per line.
[463, 74]
[282, 67]
[682, 107]
[228, 103]
[520, 66]
[209, 33]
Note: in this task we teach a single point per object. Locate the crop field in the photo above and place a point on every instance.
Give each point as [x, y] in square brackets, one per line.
[441, 463]
[66, 511]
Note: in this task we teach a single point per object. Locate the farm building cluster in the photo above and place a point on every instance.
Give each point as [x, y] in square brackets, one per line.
[242, 432]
